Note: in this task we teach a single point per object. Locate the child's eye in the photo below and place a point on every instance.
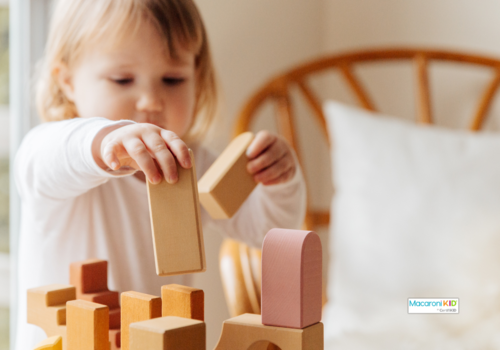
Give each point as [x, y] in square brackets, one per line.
[173, 81]
[122, 81]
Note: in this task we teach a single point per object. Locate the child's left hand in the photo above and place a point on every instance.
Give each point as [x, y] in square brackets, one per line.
[271, 160]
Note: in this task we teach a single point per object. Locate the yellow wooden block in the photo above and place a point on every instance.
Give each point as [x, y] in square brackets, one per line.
[88, 325]
[52, 343]
[168, 333]
[239, 333]
[176, 223]
[183, 301]
[137, 307]
[227, 183]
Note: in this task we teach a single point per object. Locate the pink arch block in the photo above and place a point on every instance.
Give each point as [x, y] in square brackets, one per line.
[291, 278]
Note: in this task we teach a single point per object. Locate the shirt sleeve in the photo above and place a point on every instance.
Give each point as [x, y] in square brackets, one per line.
[55, 159]
[282, 205]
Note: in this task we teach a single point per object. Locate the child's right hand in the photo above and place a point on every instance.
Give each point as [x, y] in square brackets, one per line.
[139, 146]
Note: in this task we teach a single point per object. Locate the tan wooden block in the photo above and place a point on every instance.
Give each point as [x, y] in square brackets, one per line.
[168, 333]
[183, 301]
[52, 343]
[47, 308]
[89, 276]
[137, 307]
[227, 184]
[88, 325]
[291, 278]
[176, 224]
[239, 333]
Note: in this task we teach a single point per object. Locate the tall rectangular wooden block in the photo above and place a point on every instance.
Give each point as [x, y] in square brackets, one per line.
[176, 223]
[89, 276]
[183, 301]
[227, 184]
[168, 333]
[137, 307]
[291, 278]
[87, 325]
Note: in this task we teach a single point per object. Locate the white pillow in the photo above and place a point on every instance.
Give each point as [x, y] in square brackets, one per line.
[416, 213]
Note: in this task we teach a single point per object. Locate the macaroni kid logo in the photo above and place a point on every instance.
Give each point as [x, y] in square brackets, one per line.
[433, 306]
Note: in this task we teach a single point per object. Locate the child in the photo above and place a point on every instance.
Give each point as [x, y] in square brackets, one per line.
[124, 88]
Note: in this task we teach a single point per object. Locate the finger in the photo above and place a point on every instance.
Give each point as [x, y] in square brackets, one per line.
[109, 155]
[178, 148]
[285, 177]
[272, 154]
[158, 148]
[260, 143]
[138, 152]
[275, 170]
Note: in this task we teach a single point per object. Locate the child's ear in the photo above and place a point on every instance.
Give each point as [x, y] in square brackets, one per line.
[64, 78]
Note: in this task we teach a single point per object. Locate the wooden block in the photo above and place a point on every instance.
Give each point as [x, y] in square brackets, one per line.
[114, 339]
[47, 308]
[114, 318]
[88, 325]
[109, 298]
[168, 333]
[137, 307]
[176, 223]
[52, 343]
[241, 332]
[291, 278]
[227, 184]
[89, 276]
[183, 301]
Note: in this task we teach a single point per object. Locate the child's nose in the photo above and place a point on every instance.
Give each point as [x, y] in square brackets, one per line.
[149, 102]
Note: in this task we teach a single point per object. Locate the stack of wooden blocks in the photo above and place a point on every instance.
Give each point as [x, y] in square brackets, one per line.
[291, 307]
[87, 315]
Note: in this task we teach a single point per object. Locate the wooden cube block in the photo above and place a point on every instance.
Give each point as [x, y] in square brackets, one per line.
[176, 223]
[227, 183]
[291, 278]
[183, 301]
[87, 325]
[168, 333]
[89, 276]
[137, 307]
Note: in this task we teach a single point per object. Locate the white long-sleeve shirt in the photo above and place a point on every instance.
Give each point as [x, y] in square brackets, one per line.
[73, 210]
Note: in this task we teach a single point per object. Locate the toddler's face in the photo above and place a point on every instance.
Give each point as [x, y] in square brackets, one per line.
[135, 79]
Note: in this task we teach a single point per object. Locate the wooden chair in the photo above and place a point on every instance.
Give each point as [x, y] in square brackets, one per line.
[240, 265]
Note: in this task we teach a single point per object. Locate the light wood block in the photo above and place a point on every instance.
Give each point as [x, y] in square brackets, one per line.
[291, 278]
[89, 276]
[88, 326]
[168, 333]
[227, 184]
[47, 308]
[183, 301]
[239, 333]
[176, 223]
[137, 307]
[52, 343]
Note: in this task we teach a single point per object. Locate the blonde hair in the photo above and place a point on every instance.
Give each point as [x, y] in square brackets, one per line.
[76, 24]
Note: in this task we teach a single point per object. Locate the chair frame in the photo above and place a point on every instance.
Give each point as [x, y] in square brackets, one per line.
[277, 90]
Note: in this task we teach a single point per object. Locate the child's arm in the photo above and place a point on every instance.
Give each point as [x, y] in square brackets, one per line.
[278, 201]
[57, 160]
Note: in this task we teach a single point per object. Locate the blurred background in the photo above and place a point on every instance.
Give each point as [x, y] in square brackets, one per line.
[252, 41]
